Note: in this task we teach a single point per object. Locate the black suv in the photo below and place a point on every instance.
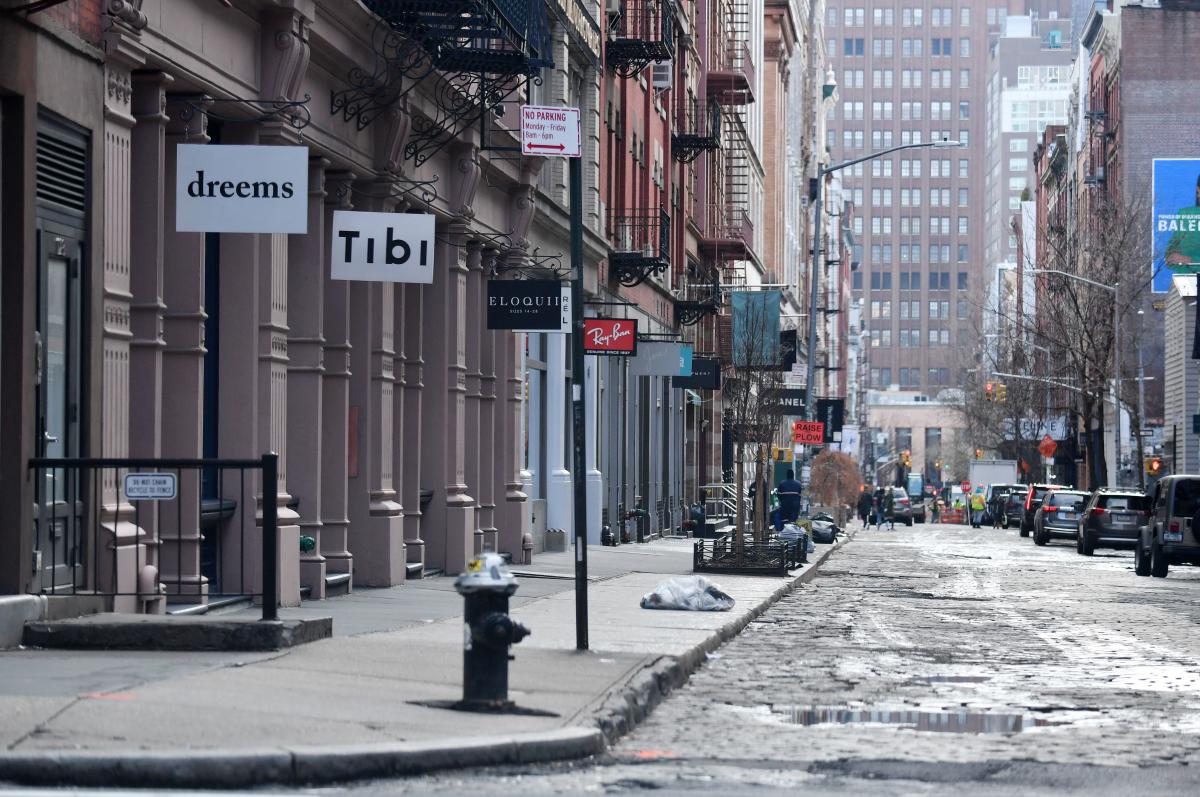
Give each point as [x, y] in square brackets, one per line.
[1169, 537]
[1112, 518]
[1033, 500]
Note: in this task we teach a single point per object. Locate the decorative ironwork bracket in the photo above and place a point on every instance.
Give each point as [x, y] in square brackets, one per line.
[633, 271]
[294, 112]
[690, 313]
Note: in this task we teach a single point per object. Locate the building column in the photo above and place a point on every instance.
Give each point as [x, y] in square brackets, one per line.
[123, 539]
[335, 397]
[376, 516]
[305, 377]
[488, 424]
[595, 482]
[415, 469]
[559, 491]
[450, 528]
[474, 380]
[183, 369]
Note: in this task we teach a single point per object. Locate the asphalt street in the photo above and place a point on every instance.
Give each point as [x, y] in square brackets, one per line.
[924, 660]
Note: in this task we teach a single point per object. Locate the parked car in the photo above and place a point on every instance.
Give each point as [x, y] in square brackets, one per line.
[1058, 515]
[1169, 537]
[1033, 500]
[903, 512]
[996, 495]
[1014, 507]
[1112, 518]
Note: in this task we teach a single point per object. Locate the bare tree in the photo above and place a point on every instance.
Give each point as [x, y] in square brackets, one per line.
[835, 479]
[752, 399]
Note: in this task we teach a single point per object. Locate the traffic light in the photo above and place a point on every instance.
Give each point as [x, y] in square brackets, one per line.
[1154, 466]
[906, 458]
[989, 392]
[1001, 392]
[979, 453]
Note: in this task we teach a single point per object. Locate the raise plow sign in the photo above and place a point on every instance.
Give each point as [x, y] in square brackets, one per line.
[549, 131]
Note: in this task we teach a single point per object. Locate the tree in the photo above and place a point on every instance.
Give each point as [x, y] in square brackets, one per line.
[751, 395]
[835, 479]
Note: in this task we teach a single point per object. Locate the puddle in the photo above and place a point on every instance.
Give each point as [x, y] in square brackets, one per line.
[951, 679]
[942, 721]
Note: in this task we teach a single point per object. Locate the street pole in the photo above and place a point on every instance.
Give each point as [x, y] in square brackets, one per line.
[578, 432]
[813, 282]
[1116, 289]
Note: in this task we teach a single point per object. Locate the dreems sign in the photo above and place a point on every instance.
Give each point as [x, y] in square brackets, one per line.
[525, 305]
[382, 247]
[241, 188]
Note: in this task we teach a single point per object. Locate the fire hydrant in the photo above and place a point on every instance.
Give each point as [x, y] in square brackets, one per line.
[488, 632]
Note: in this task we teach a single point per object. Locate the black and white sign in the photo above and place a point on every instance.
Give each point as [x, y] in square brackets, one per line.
[241, 188]
[150, 486]
[831, 412]
[382, 247]
[528, 305]
[706, 375]
[788, 401]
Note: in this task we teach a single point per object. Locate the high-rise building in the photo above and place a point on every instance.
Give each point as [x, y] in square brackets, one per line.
[909, 74]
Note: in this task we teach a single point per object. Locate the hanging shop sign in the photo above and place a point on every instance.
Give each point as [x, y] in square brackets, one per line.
[610, 336]
[550, 131]
[661, 358]
[706, 375]
[755, 328]
[831, 412]
[382, 247]
[241, 188]
[787, 401]
[529, 305]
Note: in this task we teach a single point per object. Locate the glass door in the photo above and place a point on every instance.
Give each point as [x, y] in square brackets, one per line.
[59, 512]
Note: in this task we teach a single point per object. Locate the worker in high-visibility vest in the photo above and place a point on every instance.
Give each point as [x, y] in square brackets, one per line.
[978, 504]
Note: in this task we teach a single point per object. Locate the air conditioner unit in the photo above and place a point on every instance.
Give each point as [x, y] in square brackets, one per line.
[661, 75]
[613, 7]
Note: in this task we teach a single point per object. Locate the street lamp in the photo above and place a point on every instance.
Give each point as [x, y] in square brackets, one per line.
[814, 276]
[1114, 289]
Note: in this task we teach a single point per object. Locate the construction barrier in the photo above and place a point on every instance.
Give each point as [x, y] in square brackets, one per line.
[953, 516]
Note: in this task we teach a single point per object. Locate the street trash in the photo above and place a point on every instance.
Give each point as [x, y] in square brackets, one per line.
[793, 532]
[688, 593]
[824, 530]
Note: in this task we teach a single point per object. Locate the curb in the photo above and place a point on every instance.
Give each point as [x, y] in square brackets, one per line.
[227, 769]
[619, 713]
[625, 709]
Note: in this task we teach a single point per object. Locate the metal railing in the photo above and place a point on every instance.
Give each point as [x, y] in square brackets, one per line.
[775, 557]
[721, 499]
[119, 527]
[645, 233]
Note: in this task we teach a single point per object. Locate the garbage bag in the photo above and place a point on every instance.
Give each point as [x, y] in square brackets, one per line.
[688, 593]
[824, 532]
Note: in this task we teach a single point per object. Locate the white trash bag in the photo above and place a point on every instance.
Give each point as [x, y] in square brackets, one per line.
[688, 593]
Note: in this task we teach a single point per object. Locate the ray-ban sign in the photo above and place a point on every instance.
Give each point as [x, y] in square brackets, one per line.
[610, 336]
[241, 188]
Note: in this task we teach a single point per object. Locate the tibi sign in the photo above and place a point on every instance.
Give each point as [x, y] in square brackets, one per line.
[382, 247]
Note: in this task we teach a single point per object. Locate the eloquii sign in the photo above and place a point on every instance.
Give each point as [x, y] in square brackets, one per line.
[382, 247]
[241, 188]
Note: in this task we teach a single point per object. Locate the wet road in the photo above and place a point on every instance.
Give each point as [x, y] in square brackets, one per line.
[933, 660]
[929, 660]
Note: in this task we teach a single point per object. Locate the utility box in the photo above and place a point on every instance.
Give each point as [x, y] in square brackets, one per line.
[556, 540]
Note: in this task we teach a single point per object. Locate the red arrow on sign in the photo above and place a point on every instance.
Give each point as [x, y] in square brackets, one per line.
[558, 147]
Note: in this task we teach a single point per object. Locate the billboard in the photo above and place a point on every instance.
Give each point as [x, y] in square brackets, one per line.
[1176, 219]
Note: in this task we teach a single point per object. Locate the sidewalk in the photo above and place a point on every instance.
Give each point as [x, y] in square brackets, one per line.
[342, 708]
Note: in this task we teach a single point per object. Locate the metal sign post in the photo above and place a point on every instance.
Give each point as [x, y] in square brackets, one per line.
[578, 433]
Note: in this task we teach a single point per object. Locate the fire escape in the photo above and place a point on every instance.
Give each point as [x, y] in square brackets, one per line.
[473, 55]
[639, 32]
[728, 234]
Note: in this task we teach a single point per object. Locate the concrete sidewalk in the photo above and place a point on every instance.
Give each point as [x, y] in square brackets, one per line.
[343, 708]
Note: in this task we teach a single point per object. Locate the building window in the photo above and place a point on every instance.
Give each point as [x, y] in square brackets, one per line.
[962, 167]
[962, 225]
[856, 281]
[964, 17]
[1017, 164]
[964, 110]
[962, 280]
[963, 310]
[964, 47]
[962, 197]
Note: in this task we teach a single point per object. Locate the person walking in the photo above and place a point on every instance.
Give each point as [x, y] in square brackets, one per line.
[977, 507]
[877, 506]
[889, 509]
[864, 506]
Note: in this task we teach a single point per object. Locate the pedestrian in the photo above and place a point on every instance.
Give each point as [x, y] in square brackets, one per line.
[977, 507]
[864, 505]
[937, 508]
[889, 508]
[789, 497]
[877, 505]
